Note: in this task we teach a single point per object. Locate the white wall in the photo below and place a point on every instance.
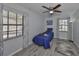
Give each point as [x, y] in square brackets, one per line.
[54, 26]
[76, 27]
[33, 24]
[1, 43]
[57, 34]
[10, 46]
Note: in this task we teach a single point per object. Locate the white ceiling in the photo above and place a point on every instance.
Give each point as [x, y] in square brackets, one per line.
[66, 8]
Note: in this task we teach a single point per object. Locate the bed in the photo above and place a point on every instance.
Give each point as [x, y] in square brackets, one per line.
[44, 39]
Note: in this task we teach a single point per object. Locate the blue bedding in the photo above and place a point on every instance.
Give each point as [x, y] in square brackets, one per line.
[44, 39]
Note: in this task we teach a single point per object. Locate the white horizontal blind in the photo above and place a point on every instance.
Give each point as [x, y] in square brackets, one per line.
[12, 24]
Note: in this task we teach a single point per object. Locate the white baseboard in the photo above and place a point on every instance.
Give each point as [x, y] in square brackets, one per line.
[15, 52]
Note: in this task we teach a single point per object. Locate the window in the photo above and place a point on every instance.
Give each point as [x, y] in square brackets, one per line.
[63, 25]
[12, 24]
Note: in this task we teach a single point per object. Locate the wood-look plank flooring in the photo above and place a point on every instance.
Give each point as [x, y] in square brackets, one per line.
[35, 50]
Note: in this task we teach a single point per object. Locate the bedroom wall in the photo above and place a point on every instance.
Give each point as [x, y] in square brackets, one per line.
[33, 24]
[1, 43]
[61, 35]
[75, 17]
[54, 26]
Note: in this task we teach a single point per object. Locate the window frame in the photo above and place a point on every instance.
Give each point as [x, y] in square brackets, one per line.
[7, 38]
[65, 25]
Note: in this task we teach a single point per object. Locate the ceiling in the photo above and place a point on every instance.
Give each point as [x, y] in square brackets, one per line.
[66, 8]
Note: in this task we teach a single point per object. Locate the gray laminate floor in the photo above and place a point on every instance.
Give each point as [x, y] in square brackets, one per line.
[35, 50]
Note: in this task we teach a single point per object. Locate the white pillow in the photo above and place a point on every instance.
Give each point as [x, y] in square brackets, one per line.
[45, 34]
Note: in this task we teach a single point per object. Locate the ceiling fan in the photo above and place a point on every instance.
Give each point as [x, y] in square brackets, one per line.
[51, 10]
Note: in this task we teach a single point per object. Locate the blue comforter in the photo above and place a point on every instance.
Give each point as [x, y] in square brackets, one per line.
[44, 39]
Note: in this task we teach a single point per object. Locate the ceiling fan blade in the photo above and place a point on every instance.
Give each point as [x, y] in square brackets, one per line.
[46, 7]
[57, 11]
[57, 6]
[45, 11]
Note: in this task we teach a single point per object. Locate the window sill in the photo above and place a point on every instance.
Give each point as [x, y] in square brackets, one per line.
[12, 38]
[63, 31]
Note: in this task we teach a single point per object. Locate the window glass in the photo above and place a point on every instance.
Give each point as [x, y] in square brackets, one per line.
[12, 15]
[19, 19]
[63, 25]
[12, 21]
[12, 24]
[12, 33]
[5, 28]
[66, 28]
[19, 32]
[65, 22]
[4, 35]
[5, 13]
[19, 16]
[12, 28]
[4, 20]
[19, 27]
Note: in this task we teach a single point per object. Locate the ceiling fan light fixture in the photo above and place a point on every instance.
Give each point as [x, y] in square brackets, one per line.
[51, 12]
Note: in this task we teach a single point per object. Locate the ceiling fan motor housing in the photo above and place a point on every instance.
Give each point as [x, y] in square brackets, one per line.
[50, 12]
